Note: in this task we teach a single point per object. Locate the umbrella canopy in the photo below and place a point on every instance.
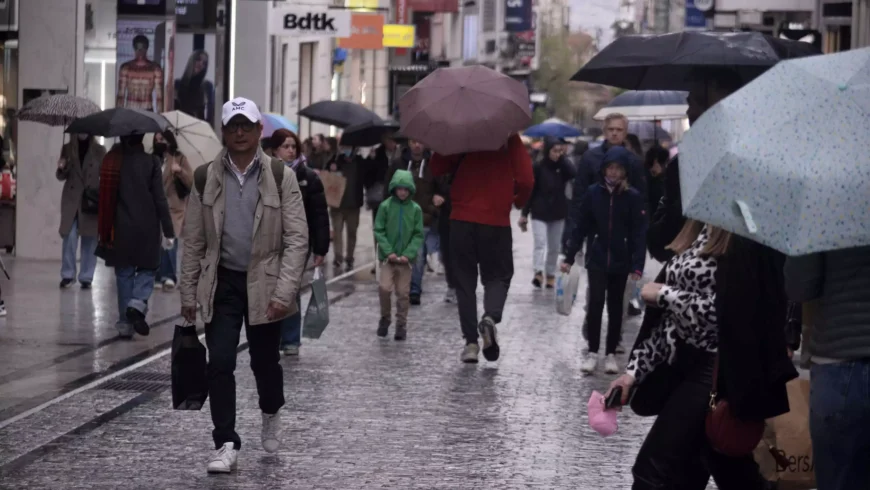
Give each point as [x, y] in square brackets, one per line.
[196, 138]
[648, 131]
[119, 122]
[647, 105]
[796, 178]
[664, 62]
[57, 110]
[339, 113]
[274, 122]
[470, 108]
[554, 130]
[368, 133]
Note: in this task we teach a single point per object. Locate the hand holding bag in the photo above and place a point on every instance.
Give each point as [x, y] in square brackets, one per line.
[566, 290]
[726, 433]
[91, 201]
[317, 313]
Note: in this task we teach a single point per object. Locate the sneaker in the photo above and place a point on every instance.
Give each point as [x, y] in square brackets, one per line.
[271, 432]
[538, 280]
[125, 330]
[450, 296]
[470, 353]
[85, 284]
[401, 332]
[65, 283]
[590, 363]
[224, 460]
[383, 327]
[490, 342]
[349, 266]
[551, 282]
[158, 284]
[415, 299]
[168, 285]
[634, 308]
[290, 350]
[337, 263]
[137, 319]
[2, 308]
[610, 365]
[620, 349]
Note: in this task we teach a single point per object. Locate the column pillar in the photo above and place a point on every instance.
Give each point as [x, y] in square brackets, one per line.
[251, 64]
[369, 77]
[381, 83]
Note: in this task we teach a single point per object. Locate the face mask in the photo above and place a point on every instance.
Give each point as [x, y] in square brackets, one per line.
[612, 182]
[160, 148]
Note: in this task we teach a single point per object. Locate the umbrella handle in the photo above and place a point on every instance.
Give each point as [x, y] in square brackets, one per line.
[747, 216]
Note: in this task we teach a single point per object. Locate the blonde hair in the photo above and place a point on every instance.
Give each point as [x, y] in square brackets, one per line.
[616, 115]
[716, 246]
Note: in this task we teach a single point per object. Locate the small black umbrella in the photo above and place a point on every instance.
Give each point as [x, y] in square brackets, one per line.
[368, 133]
[664, 62]
[119, 122]
[339, 113]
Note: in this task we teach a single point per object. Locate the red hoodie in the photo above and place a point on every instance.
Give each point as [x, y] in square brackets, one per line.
[487, 183]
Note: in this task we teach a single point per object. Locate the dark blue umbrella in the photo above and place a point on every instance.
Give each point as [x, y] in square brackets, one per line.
[647, 105]
[554, 128]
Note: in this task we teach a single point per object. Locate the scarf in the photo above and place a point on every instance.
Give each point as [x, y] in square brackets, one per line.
[110, 179]
[295, 163]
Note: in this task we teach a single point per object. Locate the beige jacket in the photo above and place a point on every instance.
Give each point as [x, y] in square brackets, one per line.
[277, 254]
[177, 205]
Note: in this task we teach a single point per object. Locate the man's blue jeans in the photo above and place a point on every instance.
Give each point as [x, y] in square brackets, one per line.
[89, 260]
[431, 242]
[840, 424]
[168, 264]
[134, 290]
[291, 327]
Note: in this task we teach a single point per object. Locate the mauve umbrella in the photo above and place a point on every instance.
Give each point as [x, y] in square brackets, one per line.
[460, 110]
[340, 113]
[665, 61]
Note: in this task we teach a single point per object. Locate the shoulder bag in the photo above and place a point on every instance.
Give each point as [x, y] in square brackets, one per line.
[726, 433]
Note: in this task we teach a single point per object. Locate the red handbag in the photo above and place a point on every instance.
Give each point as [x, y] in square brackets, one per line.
[726, 433]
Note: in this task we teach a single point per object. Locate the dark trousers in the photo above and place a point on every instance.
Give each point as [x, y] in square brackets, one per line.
[444, 250]
[605, 287]
[490, 248]
[222, 340]
[676, 454]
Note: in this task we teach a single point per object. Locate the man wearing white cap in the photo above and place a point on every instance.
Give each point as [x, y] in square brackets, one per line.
[245, 244]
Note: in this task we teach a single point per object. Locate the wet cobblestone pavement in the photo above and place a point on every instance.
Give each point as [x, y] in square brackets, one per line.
[361, 412]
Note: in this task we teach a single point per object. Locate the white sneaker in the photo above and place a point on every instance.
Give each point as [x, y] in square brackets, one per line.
[450, 296]
[224, 460]
[590, 363]
[271, 432]
[168, 285]
[610, 366]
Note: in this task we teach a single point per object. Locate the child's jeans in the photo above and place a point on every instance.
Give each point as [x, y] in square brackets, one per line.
[395, 277]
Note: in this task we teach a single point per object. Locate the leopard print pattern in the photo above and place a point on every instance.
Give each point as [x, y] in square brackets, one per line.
[688, 298]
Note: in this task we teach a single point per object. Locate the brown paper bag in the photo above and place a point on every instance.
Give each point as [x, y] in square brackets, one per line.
[788, 436]
[333, 185]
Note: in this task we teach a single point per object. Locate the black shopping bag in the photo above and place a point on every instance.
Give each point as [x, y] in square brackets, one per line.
[317, 313]
[189, 378]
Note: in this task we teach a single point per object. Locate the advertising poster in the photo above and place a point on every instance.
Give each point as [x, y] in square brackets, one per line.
[194, 83]
[518, 15]
[145, 64]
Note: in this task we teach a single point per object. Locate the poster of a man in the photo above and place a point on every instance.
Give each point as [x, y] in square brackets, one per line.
[140, 80]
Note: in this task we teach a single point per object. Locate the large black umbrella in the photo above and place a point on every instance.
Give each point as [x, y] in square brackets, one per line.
[368, 133]
[339, 113]
[664, 62]
[119, 122]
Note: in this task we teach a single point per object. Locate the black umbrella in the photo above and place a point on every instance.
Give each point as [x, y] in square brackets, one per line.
[339, 113]
[119, 122]
[368, 133]
[664, 62]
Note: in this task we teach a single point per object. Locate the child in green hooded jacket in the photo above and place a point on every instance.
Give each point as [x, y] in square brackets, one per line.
[399, 233]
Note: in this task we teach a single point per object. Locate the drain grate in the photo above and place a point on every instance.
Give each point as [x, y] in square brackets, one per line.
[143, 382]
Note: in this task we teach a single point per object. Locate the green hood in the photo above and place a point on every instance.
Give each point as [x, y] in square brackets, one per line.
[403, 178]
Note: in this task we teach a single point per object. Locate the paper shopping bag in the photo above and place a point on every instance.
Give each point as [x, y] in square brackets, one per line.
[333, 185]
[189, 378]
[785, 454]
[317, 313]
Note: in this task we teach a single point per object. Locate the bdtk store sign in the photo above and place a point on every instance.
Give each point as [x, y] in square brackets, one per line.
[310, 23]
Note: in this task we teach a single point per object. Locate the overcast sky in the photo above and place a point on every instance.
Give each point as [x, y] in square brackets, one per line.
[587, 15]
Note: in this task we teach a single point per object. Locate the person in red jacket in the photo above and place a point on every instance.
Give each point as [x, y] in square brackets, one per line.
[485, 184]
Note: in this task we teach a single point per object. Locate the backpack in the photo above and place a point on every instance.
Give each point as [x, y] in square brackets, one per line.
[201, 173]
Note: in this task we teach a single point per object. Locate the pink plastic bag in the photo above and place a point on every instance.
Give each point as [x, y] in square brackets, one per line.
[601, 420]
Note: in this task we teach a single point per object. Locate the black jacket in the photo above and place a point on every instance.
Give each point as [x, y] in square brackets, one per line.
[667, 220]
[548, 202]
[655, 189]
[142, 213]
[375, 176]
[314, 199]
[352, 170]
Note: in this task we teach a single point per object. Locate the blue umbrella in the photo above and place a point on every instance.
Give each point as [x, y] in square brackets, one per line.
[274, 122]
[552, 127]
[647, 105]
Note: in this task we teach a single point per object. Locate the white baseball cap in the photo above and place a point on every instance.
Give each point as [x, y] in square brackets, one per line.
[243, 106]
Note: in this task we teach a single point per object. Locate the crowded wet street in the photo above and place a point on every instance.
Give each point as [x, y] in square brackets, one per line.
[84, 410]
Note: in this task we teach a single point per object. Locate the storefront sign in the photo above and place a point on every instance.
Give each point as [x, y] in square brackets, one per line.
[304, 22]
[434, 6]
[366, 32]
[423, 26]
[695, 18]
[398, 36]
[402, 17]
[524, 48]
[518, 15]
[9, 15]
[362, 4]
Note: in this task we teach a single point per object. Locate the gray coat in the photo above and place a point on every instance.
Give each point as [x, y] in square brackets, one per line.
[841, 279]
[76, 176]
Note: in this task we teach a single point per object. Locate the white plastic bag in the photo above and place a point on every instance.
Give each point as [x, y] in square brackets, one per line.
[566, 290]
